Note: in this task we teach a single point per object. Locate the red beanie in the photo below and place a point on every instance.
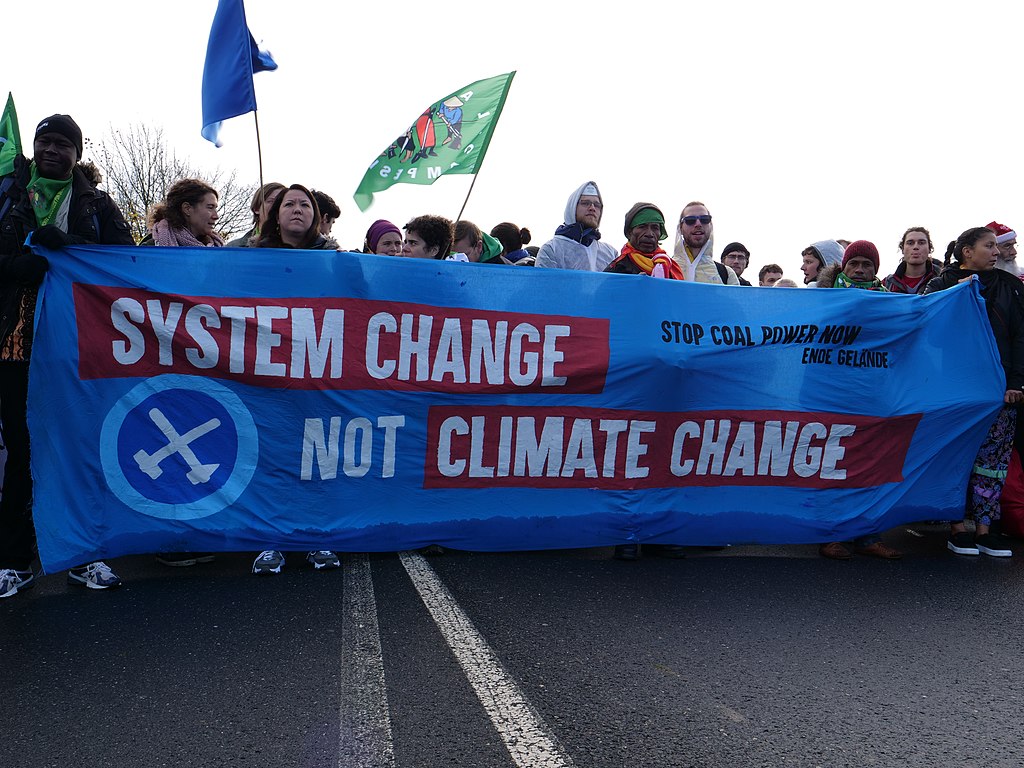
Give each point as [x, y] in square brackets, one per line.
[861, 249]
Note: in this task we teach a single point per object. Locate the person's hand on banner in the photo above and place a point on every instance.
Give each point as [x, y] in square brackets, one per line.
[50, 237]
[24, 268]
[1013, 396]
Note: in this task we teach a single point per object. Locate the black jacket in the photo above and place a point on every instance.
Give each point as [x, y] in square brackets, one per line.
[894, 282]
[92, 218]
[1004, 303]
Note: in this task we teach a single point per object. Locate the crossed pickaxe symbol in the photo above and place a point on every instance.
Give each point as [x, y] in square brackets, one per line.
[150, 462]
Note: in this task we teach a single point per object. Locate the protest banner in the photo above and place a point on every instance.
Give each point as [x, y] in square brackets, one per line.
[242, 399]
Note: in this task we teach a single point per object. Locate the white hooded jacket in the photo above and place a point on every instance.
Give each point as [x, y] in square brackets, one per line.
[565, 253]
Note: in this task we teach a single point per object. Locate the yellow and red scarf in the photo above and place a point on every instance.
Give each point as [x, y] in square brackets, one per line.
[647, 261]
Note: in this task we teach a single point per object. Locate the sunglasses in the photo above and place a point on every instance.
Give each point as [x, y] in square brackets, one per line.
[691, 220]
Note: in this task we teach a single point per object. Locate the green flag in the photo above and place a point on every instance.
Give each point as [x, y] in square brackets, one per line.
[451, 136]
[10, 137]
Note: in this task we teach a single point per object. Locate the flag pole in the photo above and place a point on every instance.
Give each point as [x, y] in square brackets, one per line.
[466, 201]
[259, 155]
[501, 104]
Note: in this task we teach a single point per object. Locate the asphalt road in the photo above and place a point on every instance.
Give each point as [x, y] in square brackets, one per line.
[751, 656]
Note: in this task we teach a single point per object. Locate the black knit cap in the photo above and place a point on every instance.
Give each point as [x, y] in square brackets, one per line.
[734, 248]
[65, 126]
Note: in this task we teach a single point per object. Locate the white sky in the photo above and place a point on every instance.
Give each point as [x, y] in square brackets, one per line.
[793, 121]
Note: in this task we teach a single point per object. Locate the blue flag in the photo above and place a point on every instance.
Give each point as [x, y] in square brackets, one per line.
[302, 400]
[231, 58]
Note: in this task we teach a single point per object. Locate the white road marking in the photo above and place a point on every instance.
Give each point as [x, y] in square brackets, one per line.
[529, 741]
[365, 735]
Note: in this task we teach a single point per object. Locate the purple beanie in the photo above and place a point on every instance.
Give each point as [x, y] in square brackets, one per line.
[377, 230]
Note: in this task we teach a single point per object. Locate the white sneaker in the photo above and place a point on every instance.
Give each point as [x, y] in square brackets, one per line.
[323, 558]
[94, 576]
[267, 562]
[12, 581]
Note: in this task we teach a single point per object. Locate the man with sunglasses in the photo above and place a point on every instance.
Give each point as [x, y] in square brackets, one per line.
[577, 242]
[695, 245]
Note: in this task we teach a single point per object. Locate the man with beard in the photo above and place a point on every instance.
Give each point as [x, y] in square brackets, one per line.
[577, 242]
[1006, 242]
[695, 245]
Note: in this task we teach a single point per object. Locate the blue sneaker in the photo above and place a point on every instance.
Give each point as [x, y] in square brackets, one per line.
[94, 576]
[323, 558]
[12, 581]
[268, 561]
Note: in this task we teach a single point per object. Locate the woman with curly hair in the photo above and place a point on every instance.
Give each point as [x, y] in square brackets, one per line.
[187, 216]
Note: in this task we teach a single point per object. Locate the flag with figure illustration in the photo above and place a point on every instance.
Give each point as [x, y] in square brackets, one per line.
[10, 137]
[450, 136]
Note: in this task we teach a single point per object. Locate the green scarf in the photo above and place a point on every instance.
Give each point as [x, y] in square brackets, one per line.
[842, 281]
[46, 196]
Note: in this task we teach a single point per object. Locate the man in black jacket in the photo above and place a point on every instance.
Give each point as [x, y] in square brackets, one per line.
[51, 198]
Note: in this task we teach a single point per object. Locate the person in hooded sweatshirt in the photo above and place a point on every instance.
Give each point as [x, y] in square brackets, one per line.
[817, 256]
[577, 242]
[694, 248]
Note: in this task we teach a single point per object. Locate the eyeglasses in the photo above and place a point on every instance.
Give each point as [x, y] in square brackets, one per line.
[691, 220]
[590, 204]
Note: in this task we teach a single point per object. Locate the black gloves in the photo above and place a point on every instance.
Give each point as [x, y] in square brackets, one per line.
[25, 268]
[50, 237]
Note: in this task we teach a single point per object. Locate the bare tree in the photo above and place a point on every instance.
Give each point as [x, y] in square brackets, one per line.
[139, 167]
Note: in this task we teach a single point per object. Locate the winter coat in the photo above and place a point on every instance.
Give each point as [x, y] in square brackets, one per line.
[562, 252]
[92, 218]
[829, 253]
[894, 282]
[243, 241]
[827, 276]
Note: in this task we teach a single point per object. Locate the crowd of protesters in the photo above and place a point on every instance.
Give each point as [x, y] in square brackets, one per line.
[54, 200]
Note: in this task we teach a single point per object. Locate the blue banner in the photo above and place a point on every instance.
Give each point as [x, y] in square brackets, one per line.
[243, 399]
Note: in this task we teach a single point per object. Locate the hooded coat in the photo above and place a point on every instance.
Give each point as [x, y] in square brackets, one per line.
[702, 268]
[561, 252]
[830, 253]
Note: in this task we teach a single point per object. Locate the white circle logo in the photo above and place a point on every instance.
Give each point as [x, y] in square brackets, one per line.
[179, 447]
